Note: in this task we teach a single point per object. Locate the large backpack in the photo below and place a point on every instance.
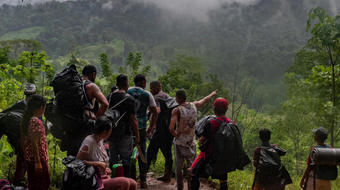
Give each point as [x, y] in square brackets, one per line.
[143, 102]
[227, 150]
[325, 171]
[78, 175]
[10, 123]
[69, 91]
[166, 106]
[269, 164]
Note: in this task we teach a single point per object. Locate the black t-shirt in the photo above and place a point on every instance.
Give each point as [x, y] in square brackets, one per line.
[128, 107]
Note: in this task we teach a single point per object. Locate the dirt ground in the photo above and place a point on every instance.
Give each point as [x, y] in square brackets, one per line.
[153, 184]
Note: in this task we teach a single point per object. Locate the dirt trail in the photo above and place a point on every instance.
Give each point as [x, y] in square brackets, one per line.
[153, 184]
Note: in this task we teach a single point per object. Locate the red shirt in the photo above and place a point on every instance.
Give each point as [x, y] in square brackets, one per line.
[35, 127]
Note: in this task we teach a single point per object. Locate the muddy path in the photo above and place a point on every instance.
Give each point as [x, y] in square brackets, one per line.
[154, 184]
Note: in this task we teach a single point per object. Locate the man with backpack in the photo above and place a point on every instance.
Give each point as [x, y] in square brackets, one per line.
[75, 99]
[270, 174]
[145, 101]
[318, 177]
[121, 139]
[210, 131]
[184, 118]
[161, 137]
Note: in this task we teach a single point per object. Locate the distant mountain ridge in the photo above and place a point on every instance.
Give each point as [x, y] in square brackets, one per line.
[260, 39]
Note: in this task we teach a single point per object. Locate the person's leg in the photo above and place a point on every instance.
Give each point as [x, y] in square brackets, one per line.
[20, 168]
[195, 170]
[189, 154]
[133, 184]
[38, 181]
[167, 153]
[142, 165]
[179, 159]
[152, 150]
[125, 148]
[323, 184]
[223, 185]
[121, 183]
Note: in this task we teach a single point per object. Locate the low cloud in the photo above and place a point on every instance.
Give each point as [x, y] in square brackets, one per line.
[25, 2]
[197, 9]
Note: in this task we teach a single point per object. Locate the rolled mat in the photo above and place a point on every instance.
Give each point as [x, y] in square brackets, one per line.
[326, 156]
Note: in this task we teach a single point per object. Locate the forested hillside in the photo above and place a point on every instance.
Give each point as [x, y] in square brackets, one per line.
[256, 41]
[277, 63]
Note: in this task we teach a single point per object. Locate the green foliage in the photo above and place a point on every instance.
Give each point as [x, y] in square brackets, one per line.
[55, 161]
[27, 33]
[7, 159]
[105, 65]
[187, 72]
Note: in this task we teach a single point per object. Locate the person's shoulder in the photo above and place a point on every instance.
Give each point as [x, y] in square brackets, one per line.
[35, 120]
[89, 140]
[91, 86]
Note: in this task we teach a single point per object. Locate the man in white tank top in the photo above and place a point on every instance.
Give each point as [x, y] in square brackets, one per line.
[184, 117]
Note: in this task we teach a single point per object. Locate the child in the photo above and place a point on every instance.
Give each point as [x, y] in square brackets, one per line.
[308, 179]
[276, 177]
[35, 145]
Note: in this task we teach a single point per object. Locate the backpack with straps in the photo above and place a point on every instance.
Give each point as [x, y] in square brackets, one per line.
[115, 116]
[69, 91]
[325, 172]
[269, 164]
[227, 150]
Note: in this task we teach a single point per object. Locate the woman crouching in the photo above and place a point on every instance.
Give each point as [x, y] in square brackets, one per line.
[92, 152]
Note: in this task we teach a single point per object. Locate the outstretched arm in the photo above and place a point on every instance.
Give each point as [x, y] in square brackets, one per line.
[201, 102]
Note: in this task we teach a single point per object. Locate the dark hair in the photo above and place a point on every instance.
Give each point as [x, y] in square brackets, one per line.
[102, 124]
[122, 81]
[139, 79]
[265, 135]
[181, 95]
[220, 110]
[89, 69]
[156, 84]
[34, 103]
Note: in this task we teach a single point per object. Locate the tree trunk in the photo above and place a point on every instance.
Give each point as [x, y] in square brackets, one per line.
[332, 63]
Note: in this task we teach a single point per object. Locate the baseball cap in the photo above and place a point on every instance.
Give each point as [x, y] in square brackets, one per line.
[221, 103]
[30, 89]
[321, 133]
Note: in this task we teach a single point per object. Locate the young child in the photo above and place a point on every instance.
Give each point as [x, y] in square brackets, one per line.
[263, 179]
[307, 181]
[35, 145]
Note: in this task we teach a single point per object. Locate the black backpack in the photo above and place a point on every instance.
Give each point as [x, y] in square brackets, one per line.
[78, 175]
[166, 106]
[10, 125]
[269, 164]
[69, 91]
[227, 150]
[325, 172]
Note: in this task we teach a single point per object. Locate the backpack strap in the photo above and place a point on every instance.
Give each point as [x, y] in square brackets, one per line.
[85, 83]
[221, 122]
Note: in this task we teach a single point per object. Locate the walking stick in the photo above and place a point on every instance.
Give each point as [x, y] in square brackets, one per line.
[141, 154]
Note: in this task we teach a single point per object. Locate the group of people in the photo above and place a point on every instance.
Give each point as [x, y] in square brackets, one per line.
[142, 116]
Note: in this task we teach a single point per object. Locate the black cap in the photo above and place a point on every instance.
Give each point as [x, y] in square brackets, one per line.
[321, 133]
